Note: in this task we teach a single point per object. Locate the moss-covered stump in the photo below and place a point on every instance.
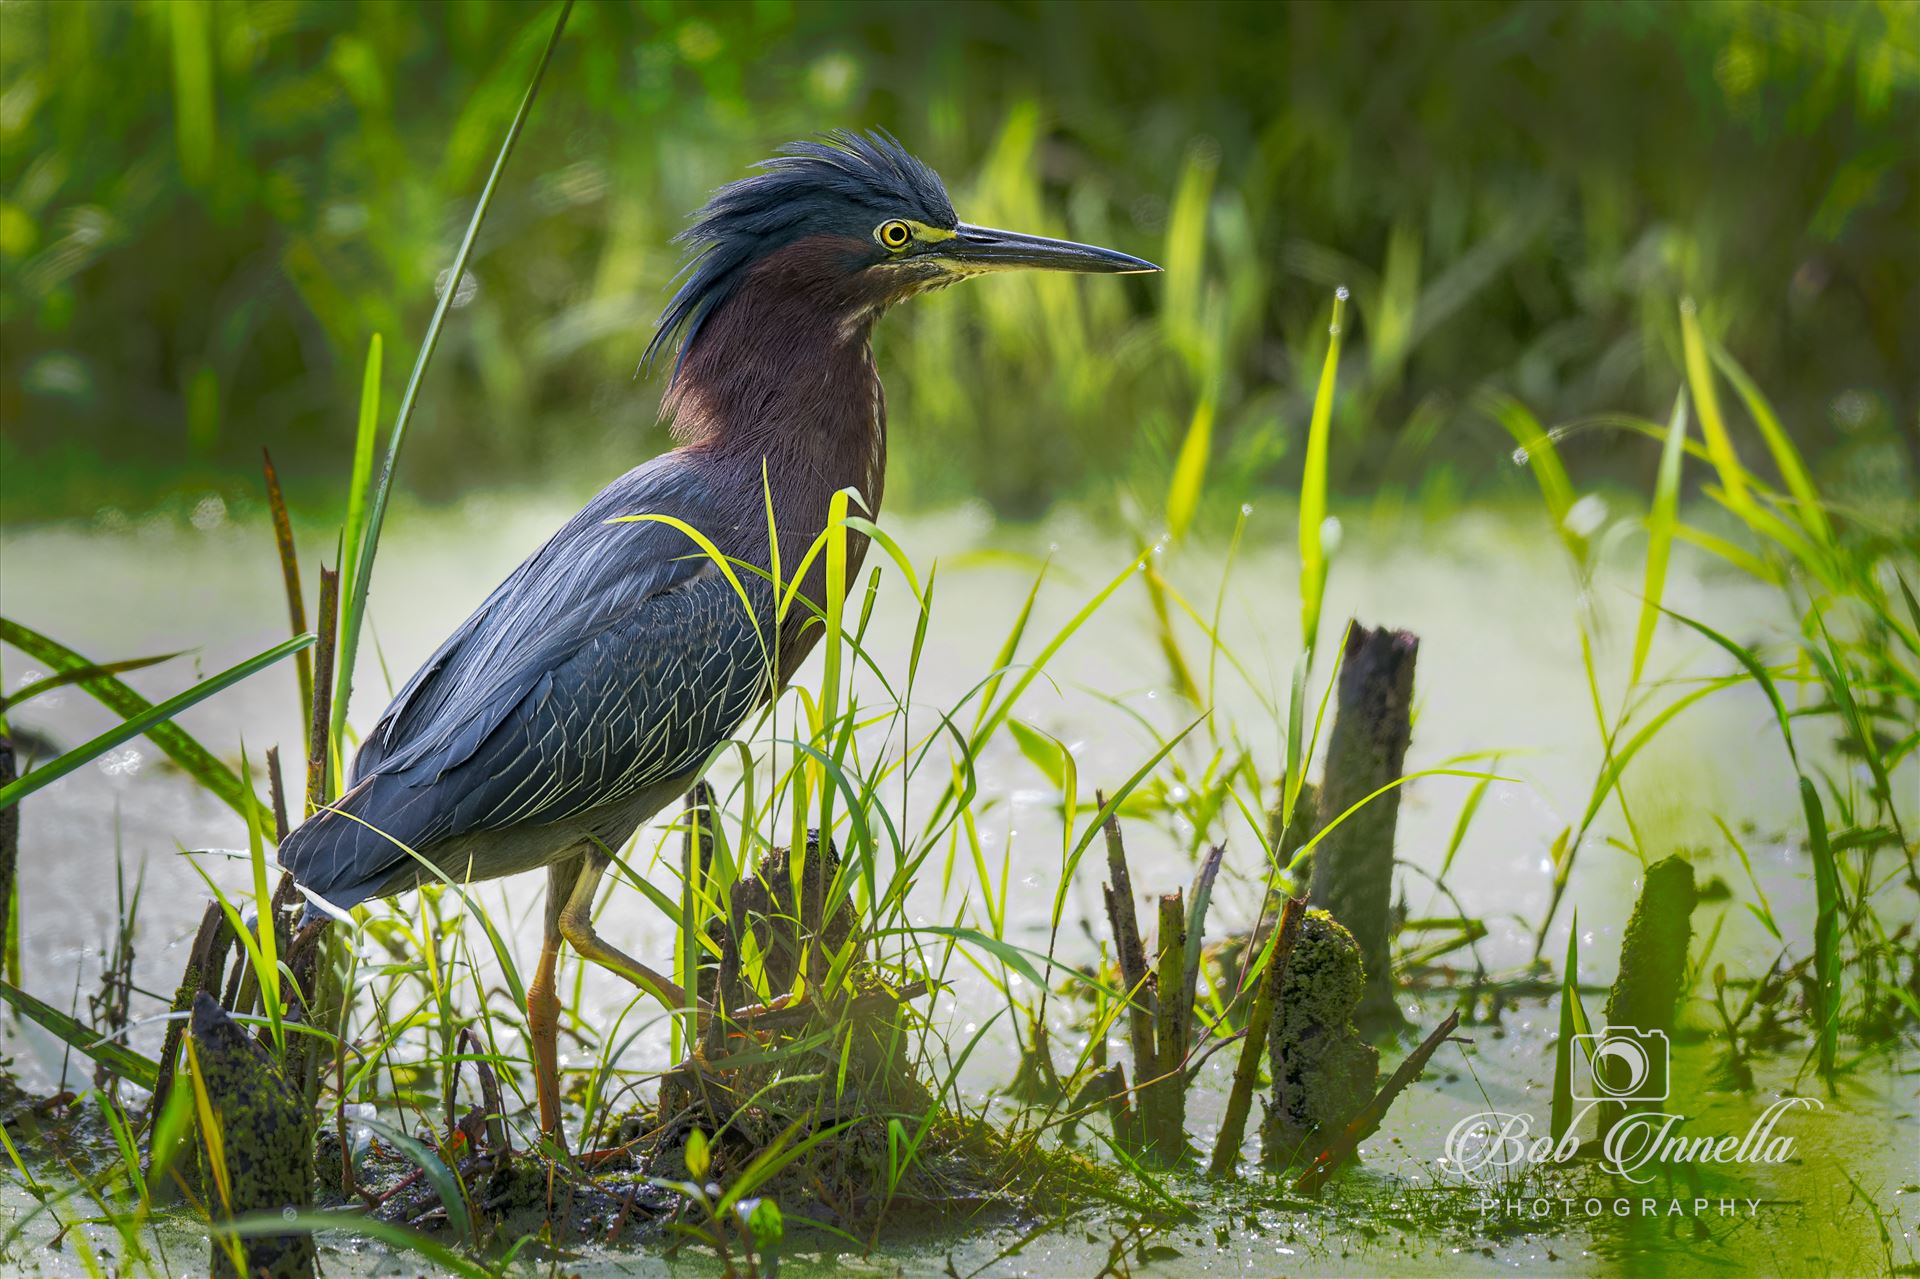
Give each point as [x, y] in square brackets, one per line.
[853, 1084]
[1653, 953]
[764, 906]
[265, 1142]
[1653, 968]
[1323, 1071]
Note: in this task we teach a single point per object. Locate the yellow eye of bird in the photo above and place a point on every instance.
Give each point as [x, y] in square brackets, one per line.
[895, 235]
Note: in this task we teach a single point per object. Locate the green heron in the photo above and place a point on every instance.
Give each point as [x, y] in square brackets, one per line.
[594, 684]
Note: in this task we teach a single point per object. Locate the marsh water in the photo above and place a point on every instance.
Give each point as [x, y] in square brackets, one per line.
[1500, 670]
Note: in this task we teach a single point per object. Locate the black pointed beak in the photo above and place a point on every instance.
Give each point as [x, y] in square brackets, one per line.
[980, 248]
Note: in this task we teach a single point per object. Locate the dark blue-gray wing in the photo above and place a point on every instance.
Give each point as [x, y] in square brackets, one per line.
[596, 713]
[642, 700]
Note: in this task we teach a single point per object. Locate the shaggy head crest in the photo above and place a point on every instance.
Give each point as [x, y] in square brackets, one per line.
[844, 185]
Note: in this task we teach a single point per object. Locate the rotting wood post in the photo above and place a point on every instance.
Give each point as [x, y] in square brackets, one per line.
[206, 965]
[1253, 1049]
[9, 848]
[265, 1143]
[725, 994]
[1131, 955]
[1653, 967]
[1353, 865]
[277, 793]
[317, 998]
[819, 867]
[1167, 1132]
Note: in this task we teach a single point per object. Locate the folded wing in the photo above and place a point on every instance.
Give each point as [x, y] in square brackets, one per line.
[616, 658]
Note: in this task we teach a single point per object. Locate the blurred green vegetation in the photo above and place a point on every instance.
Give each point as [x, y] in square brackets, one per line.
[207, 209]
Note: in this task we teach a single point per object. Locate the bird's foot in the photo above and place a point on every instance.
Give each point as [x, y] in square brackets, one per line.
[792, 999]
[755, 1020]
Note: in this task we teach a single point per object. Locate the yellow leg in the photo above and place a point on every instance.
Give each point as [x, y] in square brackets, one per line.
[543, 1001]
[576, 925]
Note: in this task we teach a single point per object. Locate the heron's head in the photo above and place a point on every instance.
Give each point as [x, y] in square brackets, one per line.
[862, 224]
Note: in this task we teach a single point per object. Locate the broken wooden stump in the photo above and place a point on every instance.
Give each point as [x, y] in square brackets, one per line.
[1130, 954]
[1353, 864]
[260, 1156]
[1159, 1005]
[1166, 1098]
[1323, 1071]
[1233, 1128]
[9, 847]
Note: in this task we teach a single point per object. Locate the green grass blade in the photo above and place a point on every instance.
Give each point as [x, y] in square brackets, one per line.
[1764, 911]
[1159, 594]
[1756, 668]
[1786, 458]
[1003, 660]
[436, 1172]
[1537, 451]
[1313, 484]
[1913, 605]
[174, 741]
[191, 41]
[1021, 959]
[992, 721]
[1299, 754]
[1835, 675]
[1617, 764]
[82, 674]
[1660, 524]
[268, 974]
[1706, 402]
[353, 535]
[166, 1141]
[364, 1226]
[1328, 828]
[148, 720]
[1738, 556]
[1467, 811]
[290, 577]
[115, 1056]
[1190, 467]
[1182, 313]
[355, 614]
[1573, 1023]
[1296, 740]
[1826, 927]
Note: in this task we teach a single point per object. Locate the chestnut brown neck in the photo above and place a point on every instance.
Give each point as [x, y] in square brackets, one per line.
[783, 371]
[782, 378]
